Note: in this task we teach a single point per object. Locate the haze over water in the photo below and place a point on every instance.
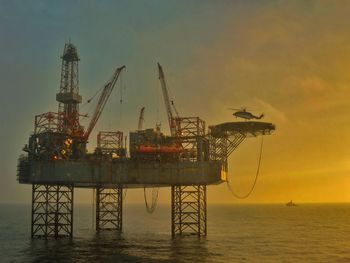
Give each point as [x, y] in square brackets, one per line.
[236, 233]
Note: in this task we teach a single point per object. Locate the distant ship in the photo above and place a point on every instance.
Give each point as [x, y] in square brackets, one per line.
[290, 203]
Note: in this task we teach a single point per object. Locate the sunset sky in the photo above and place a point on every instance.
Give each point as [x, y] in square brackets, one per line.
[287, 59]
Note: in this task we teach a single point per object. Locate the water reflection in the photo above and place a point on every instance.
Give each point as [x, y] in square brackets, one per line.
[191, 249]
[263, 233]
[110, 246]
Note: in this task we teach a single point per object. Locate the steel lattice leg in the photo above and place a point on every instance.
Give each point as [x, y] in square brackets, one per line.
[109, 208]
[52, 211]
[188, 210]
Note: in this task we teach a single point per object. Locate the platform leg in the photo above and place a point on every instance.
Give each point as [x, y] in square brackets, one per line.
[109, 208]
[52, 211]
[188, 210]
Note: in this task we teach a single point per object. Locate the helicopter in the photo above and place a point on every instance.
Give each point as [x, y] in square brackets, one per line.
[244, 114]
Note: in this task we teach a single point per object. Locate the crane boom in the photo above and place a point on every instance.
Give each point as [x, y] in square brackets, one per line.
[167, 101]
[176, 112]
[106, 92]
[141, 118]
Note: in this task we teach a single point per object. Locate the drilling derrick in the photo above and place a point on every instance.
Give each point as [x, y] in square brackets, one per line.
[68, 97]
[57, 137]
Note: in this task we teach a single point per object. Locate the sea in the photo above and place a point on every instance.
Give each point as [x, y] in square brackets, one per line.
[236, 233]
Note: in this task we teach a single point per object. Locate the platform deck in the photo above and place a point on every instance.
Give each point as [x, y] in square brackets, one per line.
[127, 173]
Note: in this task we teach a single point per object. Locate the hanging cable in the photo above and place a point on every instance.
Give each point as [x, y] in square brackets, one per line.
[125, 190]
[91, 107]
[115, 111]
[93, 208]
[255, 179]
[122, 89]
[157, 103]
[157, 110]
[152, 208]
[88, 112]
[97, 92]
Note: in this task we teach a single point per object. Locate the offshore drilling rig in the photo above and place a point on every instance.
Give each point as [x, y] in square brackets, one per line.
[56, 160]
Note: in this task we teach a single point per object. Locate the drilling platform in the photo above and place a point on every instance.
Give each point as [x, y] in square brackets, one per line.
[56, 160]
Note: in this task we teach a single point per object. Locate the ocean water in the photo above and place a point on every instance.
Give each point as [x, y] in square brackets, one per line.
[236, 233]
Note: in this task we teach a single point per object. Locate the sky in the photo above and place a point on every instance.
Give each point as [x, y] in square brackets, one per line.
[287, 59]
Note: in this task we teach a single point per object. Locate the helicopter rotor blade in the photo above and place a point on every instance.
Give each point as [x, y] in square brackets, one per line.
[248, 109]
[242, 109]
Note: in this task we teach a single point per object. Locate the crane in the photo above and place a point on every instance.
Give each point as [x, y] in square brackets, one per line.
[141, 118]
[167, 102]
[106, 92]
[176, 112]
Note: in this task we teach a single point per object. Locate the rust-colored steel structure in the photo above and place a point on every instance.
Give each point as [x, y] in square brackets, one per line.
[107, 141]
[56, 161]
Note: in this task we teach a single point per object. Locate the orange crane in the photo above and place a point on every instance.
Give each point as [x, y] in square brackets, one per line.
[106, 92]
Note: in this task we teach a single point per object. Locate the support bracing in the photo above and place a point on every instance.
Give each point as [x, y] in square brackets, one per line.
[189, 203]
[109, 208]
[222, 147]
[189, 210]
[52, 211]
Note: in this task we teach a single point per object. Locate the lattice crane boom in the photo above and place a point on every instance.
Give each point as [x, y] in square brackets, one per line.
[167, 101]
[106, 92]
[141, 118]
